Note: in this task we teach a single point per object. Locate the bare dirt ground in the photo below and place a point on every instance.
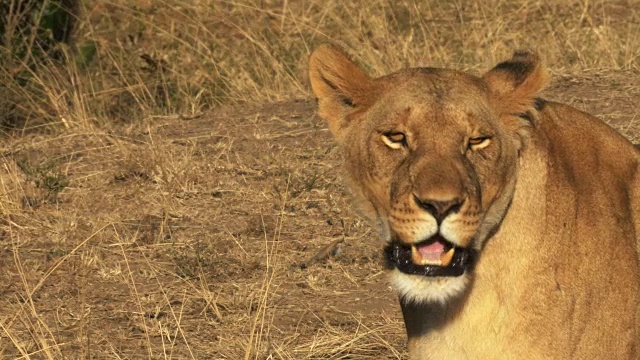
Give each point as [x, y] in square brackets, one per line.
[203, 238]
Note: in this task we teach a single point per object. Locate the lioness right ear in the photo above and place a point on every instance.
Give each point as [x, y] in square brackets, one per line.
[339, 84]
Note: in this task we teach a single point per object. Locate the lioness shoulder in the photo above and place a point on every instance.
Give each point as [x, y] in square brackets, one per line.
[511, 222]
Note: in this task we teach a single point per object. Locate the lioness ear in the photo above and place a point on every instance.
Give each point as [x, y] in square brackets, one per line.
[338, 83]
[515, 83]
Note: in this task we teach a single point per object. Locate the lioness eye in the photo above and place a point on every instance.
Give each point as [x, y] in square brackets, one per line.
[479, 143]
[394, 140]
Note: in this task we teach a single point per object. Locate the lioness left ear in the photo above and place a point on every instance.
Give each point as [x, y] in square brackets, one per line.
[515, 83]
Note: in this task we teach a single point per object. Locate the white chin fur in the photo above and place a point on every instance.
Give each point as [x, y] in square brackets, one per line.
[422, 289]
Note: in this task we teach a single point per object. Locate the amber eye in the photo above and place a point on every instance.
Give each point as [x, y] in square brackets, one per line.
[478, 143]
[394, 140]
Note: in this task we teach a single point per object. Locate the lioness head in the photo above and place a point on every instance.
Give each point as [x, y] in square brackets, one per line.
[431, 155]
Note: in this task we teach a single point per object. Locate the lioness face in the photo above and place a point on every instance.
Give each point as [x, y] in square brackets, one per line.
[432, 164]
[432, 157]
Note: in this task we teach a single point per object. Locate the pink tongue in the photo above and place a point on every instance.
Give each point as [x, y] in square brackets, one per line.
[431, 251]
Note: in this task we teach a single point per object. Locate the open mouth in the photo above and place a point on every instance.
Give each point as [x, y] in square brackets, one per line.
[432, 257]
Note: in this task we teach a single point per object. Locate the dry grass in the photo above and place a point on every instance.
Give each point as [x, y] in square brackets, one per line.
[164, 214]
[157, 58]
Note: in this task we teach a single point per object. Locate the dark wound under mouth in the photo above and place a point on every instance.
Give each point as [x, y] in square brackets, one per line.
[398, 256]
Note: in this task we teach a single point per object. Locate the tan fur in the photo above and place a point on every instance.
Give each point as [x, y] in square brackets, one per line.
[551, 204]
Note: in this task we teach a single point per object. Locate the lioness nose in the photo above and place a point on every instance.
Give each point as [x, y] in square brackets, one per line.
[439, 208]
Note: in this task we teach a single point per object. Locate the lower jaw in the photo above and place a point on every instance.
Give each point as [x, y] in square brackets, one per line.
[428, 290]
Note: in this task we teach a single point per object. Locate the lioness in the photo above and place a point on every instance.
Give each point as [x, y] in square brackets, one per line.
[512, 222]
